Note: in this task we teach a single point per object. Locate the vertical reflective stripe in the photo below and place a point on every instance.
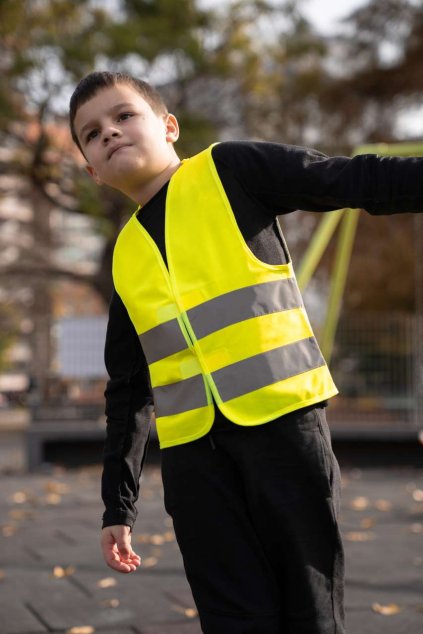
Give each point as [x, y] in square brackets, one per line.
[244, 303]
[179, 397]
[163, 340]
[267, 368]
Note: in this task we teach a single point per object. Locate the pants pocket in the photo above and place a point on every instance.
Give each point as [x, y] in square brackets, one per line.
[330, 462]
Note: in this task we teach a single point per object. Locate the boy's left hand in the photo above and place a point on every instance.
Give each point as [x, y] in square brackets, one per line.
[117, 549]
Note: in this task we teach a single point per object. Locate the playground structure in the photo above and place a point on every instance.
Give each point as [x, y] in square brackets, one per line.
[348, 219]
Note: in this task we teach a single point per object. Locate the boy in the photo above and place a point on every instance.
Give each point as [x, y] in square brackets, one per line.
[206, 317]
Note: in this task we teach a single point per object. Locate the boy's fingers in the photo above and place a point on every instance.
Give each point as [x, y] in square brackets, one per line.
[124, 547]
[113, 560]
[117, 550]
[120, 566]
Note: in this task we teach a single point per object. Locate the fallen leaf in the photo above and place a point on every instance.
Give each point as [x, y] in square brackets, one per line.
[60, 572]
[157, 540]
[416, 528]
[20, 514]
[56, 487]
[53, 498]
[81, 629]
[149, 562]
[367, 522]
[19, 497]
[110, 603]
[359, 536]
[8, 530]
[2, 575]
[359, 503]
[107, 582]
[191, 613]
[387, 610]
[383, 505]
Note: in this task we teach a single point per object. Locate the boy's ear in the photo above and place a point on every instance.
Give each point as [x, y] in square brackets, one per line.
[172, 128]
[91, 171]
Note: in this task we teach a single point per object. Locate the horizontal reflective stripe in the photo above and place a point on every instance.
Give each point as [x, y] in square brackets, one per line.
[180, 397]
[162, 340]
[244, 303]
[267, 368]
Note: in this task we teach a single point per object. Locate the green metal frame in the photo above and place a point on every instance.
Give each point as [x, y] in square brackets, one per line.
[348, 221]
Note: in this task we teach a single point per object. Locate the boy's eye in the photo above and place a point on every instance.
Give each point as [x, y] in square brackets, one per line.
[124, 115]
[91, 135]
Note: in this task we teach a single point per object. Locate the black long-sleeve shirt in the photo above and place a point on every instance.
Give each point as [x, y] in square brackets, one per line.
[262, 181]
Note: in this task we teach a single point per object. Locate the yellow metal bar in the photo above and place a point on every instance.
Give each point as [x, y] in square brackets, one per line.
[324, 233]
[391, 149]
[317, 246]
[342, 260]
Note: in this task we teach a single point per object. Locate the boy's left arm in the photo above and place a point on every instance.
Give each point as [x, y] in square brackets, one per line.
[288, 177]
[380, 185]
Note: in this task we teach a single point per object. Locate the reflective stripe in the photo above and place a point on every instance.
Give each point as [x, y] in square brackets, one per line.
[179, 397]
[244, 303]
[267, 368]
[163, 340]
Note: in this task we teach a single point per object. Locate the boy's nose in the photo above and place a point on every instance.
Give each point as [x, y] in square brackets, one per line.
[108, 134]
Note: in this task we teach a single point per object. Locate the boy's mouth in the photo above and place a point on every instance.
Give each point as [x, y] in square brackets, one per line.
[115, 149]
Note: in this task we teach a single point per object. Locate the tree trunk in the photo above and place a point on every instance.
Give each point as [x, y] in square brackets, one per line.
[41, 309]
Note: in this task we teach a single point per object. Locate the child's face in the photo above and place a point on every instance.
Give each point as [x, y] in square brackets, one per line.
[125, 142]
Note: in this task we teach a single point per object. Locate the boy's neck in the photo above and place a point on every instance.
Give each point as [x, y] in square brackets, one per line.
[143, 193]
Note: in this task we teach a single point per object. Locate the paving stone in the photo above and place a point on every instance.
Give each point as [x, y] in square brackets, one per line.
[62, 612]
[368, 622]
[33, 537]
[16, 618]
[116, 630]
[362, 593]
[180, 628]
[62, 555]
[183, 596]
[28, 585]
[15, 552]
[153, 597]
[392, 552]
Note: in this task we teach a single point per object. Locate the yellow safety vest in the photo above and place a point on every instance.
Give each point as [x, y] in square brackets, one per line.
[218, 323]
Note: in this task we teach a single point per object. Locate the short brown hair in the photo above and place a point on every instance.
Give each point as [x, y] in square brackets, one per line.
[92, 83]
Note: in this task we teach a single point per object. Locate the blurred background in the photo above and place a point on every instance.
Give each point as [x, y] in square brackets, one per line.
[330, 75]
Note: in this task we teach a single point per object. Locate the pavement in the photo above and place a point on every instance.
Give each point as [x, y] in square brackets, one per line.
[53, 579]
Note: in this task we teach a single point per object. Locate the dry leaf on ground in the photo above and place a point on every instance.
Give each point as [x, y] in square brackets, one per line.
[359, 536]
[387, 610]
[107, 582]
[359, 503]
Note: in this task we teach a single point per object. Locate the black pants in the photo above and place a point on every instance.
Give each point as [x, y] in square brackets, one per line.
[254, 511]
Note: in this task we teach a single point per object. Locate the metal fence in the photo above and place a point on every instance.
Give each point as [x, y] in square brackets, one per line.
[375, 366]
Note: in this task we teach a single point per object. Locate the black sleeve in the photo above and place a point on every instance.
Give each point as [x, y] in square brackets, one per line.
[287, 177]
[129, 408]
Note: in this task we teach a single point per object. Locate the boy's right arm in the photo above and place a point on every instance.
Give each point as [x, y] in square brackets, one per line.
[129, 409]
